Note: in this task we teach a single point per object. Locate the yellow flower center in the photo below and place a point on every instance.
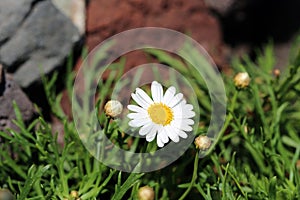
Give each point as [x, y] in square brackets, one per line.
[160, 114]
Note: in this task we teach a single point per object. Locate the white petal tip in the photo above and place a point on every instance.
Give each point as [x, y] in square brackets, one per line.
[132, 124]
[160, 145]
[149, 139]
[176, 140]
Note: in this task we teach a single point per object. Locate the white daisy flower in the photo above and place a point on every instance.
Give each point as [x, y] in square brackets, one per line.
[165, 115]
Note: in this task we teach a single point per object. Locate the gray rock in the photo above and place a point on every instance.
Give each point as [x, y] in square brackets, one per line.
[40, 44]
[75, 10]
[10, 92]
[12, 14]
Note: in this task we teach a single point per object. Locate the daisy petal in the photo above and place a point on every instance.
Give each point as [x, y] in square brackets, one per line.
[137, 115]
[163, 136]
[140, 101]
[185, 115]
[186, 127]
[183, 102]
[188, 114]
[182, 134]
[146, 129]
[172, 133]
[179, 124]
[135, 108]
[156, 91]
[169, 95]
[188, 121]
[159, 142]
[178, 108]
[188, 107]
[138, 122]
[144, 95]
[177, 113]
[180, 113]
[177, 98]
[150, 137]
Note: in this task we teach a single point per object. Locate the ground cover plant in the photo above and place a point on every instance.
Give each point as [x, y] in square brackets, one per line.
[256, 154]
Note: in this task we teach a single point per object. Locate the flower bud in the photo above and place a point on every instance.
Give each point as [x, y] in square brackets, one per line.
[277, 72]
[298, 165]
[202, 142]
[242, 80]
[5, 194]
[113, 108]
[146, 193]
[74, 194]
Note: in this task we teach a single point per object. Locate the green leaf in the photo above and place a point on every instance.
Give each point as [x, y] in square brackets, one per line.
[272, 188]
[131, 180]
[33, 175]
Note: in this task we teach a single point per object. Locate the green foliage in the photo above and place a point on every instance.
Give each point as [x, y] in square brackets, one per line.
[255, 156]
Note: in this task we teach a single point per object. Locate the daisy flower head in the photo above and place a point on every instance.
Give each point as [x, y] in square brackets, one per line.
[164, 116]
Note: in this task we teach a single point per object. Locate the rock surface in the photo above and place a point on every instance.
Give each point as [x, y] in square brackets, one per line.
[107, 18]
[10, 92]
[75, 10]
[220, 6]
[35, 38]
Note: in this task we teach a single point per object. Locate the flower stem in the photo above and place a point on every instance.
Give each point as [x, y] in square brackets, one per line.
[106, 125]
[193, 177]
[101, 148]
[226, 123]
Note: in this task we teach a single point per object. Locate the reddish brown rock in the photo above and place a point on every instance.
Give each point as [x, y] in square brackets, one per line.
[193, 17]
[107, 18]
